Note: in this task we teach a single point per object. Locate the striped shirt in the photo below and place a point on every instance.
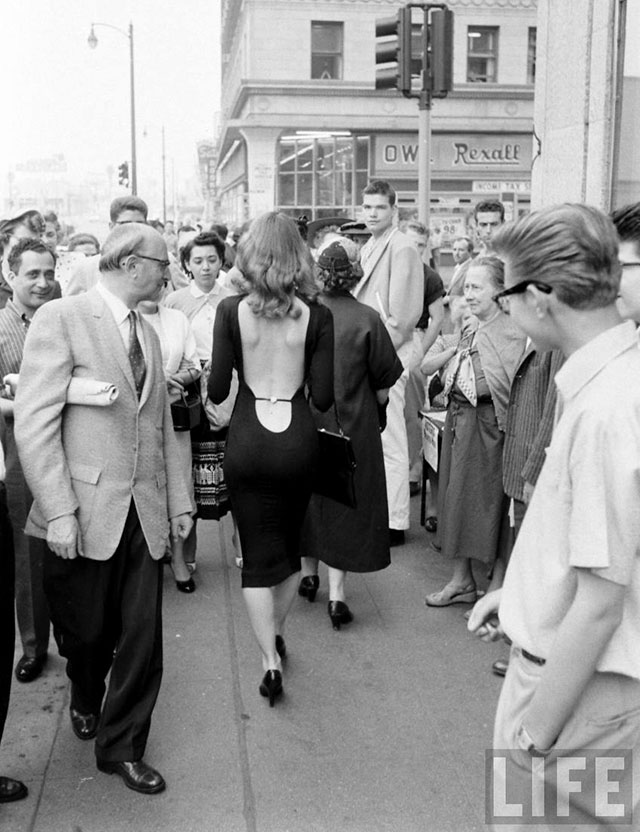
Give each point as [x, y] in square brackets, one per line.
[529, 420]
[13, 332]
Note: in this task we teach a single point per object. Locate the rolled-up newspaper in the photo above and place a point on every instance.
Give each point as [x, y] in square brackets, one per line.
[80, 391]
[92, 392]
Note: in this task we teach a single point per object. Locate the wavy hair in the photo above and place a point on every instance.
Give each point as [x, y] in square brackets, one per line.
[572, 248]
[276, 265]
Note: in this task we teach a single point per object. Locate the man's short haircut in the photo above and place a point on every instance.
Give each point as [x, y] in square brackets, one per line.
[571, 247]
[380, 187]
[206, 238]
[127, 203]
[82, 238]
[123, 240]
[627, 223]
[466, 240]
[487, 206]
[417, 227]
[220, 229]
[14, 259]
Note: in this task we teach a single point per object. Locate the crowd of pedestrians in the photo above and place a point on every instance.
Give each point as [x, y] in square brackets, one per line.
[170, 375]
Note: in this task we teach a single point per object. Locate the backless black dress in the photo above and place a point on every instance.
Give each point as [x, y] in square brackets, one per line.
[270, 475]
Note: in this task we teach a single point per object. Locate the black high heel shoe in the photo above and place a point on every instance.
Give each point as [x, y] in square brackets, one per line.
[339, 613]
[308, 587]
[271, 686]
[186, 586]
[281, 647]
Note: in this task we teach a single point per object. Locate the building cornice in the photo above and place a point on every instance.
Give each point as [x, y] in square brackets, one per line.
[251, 88]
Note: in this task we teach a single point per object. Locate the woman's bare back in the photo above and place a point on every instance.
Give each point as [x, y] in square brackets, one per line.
[273, 362]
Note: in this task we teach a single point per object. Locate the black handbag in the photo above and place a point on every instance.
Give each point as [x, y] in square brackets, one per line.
[435, 387]
[335, 473]
[185, 412]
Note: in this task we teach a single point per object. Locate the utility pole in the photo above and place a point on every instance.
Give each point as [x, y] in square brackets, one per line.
[164, 181]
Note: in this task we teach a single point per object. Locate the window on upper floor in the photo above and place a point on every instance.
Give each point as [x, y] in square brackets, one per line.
[482, 54]
[531, 56]
[327, 38]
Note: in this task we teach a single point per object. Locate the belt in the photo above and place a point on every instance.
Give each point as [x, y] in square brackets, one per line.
[532, 658]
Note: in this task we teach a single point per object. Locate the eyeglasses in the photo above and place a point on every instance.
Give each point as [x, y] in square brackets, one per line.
[164, 263]
[521, 287]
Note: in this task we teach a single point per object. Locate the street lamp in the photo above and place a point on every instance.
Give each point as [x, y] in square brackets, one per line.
[92, 40]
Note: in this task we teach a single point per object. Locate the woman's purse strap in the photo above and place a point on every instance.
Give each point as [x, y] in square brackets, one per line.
[338, 422]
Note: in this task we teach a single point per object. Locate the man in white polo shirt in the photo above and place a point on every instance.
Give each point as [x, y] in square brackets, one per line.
[571, 598]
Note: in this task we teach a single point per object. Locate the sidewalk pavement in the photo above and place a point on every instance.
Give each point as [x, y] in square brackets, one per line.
[383, 725]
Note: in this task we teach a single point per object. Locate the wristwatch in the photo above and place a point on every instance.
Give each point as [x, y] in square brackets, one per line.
[527, 744]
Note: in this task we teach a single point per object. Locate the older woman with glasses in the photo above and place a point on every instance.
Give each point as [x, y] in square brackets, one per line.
[473, 522]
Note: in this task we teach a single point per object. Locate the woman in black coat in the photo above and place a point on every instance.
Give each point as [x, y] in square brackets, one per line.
[365, 367]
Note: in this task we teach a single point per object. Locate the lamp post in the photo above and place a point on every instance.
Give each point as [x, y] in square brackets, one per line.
[92, 40]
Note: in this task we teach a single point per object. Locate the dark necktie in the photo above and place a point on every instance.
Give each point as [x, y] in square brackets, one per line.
[136, 357]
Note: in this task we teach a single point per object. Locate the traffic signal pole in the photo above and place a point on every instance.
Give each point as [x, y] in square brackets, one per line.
[424, 158]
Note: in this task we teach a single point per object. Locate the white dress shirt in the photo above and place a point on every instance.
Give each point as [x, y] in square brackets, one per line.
[120, 312]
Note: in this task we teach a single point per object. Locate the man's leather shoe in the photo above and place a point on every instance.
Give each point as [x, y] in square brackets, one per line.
[29, 668]
[11, 790]
[85, 726]
[137, 775]
[396, 537]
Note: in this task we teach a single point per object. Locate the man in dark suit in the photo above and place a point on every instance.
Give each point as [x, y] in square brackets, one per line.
[105, 480]
[10, 789]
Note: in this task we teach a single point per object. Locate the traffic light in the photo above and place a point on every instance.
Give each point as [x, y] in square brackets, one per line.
[441, 58]
[393, 52]
[123, 174]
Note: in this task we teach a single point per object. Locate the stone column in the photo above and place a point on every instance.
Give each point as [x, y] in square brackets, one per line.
[262, 145]
[575, 102]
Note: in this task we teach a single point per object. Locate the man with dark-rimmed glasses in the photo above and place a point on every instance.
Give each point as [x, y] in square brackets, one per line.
[627, 223]
[572, 589]
[107, 490]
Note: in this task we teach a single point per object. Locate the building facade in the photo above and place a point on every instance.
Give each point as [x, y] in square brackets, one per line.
[303, 128]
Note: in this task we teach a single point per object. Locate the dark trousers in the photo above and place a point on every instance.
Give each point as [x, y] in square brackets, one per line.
[107, 616]
[31, 604]
[7, 613]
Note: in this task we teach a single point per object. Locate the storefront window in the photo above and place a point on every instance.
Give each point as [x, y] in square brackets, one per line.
[326, 172]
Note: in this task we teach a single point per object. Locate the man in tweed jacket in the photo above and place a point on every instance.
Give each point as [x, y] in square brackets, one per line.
[105, 482]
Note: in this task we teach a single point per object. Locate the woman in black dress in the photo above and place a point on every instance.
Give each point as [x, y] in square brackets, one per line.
[365, 366]
[280, 341]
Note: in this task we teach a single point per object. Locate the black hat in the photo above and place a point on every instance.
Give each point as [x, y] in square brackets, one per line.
[334, 258]
[355, 229]
[317, 225]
